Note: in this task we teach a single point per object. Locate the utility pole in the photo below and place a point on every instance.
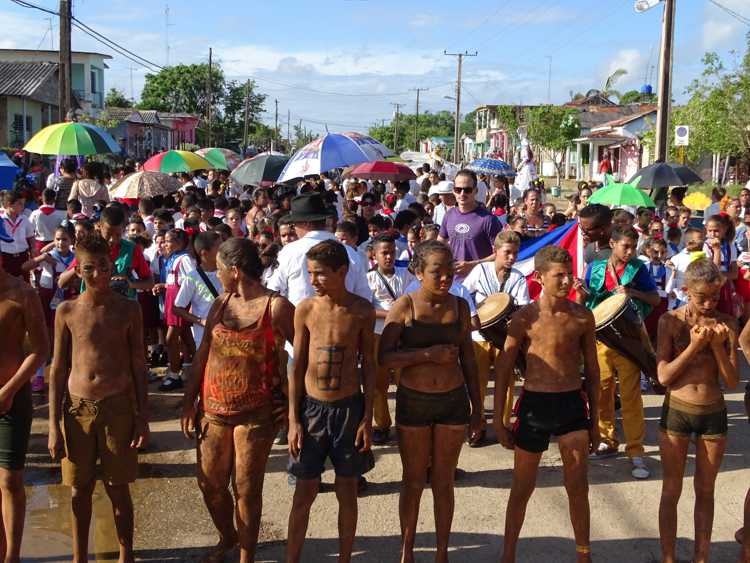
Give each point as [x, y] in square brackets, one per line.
[247, 116]
[64, 101]
[132, 91]
[549, 79]
[665, 81]
[289, 129]
[208, 93]
[416, 121]
[395, 133]
[457, 129]
[276, 127]
[167, 25]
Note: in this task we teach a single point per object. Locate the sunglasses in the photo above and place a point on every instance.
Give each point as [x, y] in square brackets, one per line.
[463, 190]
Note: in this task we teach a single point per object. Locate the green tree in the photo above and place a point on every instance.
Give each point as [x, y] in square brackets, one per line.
[439, 124]
[636, 97]
[116, 99]
[553, 128]
[231, 120]
[302, 136]
[182, 88]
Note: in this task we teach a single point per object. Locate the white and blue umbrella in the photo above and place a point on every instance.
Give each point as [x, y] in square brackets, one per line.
[332, 150]
[374, 149]
[493, 166]
[8, 172]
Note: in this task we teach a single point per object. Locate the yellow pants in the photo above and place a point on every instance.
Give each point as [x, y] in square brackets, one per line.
[613, 363]
[381, 415]
[483, 352]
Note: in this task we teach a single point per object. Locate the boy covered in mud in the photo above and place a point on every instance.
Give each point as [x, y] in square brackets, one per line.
[98, 395]
[696, 356]
[556, 336]
[329, 415]
[24, 347]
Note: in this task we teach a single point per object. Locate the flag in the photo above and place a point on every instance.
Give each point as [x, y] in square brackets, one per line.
[566, 236]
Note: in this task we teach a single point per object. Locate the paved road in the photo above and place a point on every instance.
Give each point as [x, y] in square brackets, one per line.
[173, 525]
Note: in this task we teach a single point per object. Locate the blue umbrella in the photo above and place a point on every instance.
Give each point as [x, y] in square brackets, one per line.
[8, 172]
[493, 166]
[330, 151]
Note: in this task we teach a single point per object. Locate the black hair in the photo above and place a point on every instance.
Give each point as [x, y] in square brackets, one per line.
[424, 249]
[69, 165]
[221, 203]
[382, 238]
[381, 222]
[147, 206]
[49, 196]
[601, 214]
[619, 233]
[330, 253]
[165, 215]
[204, 241]
[404, 218]
[243, 254]
[113, 216]
[224, 231]
[347, 227]
[213, 222]
[469, 174]
[181, 236]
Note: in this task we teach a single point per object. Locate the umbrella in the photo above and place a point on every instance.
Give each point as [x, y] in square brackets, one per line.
[8, 172]
[222, 159]
[375, 150]
[258, 169]
[325, 153]
[615, 194]
[493, 166]
[381, 170]
[144, 184]
[72, 138]
[664, 175]
[176, 161]
[697, 201]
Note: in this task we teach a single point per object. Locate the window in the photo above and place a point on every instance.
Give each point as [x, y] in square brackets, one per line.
[29, 123]
[94, 85]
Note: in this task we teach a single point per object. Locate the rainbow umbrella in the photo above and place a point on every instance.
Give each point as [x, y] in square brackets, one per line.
[72, 138]
[222, 159]
[176, 161]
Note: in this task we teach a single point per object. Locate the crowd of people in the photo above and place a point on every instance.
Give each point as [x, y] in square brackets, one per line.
[284, 315]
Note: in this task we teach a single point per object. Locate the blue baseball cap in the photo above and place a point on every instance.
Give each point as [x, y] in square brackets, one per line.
[4, 236]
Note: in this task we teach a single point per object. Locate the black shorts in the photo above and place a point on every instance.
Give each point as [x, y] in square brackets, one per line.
[680, 418]
[541, 415]
[415, 408]
[15, 429]
[329, 432]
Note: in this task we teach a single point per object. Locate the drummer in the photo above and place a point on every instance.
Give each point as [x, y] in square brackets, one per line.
[486, 279]
[621, 273]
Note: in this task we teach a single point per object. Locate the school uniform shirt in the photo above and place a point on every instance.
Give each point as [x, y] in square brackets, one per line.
[45, 221]
[482, 282]
[21, 230]
[181, 267]
[659, 274]
[404, 203]
[676, 277]
[728, 254]
[438, 213]
[382, 285]
[196, 295]
[148, 222]
[48, 277]
[292, 280]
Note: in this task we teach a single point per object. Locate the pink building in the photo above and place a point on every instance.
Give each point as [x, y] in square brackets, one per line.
[182, 128]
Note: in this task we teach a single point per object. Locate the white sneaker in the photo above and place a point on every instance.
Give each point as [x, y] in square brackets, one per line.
[640, 471]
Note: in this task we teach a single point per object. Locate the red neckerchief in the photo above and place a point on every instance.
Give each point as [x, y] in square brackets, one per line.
[47, 209]
[13, 224]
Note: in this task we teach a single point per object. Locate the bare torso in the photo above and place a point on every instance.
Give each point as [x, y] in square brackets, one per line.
[552, 344]
[335, 336]
[699, 382]
[99, 346]
[13, 327]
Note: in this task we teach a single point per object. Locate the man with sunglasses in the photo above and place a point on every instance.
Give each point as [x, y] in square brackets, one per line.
[469, 228]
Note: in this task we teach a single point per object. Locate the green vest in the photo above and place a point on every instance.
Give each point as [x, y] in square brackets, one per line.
[122, 265]
[598, 291]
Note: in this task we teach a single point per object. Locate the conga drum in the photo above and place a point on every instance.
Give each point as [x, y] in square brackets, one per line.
[619, 326]
[494, 313]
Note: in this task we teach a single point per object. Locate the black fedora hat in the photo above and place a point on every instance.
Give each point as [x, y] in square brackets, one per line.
[308, 208]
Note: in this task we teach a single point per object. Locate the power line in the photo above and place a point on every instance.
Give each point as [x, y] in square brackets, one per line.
[735, 15]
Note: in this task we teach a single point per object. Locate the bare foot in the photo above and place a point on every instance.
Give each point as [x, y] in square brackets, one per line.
[219, 552]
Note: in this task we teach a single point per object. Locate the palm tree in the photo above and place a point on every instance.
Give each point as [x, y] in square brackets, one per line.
[608, 90]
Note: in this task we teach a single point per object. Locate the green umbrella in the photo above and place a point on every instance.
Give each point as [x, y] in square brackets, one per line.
[222, 159]
[615, 194]
[72, 138]
[263, 168]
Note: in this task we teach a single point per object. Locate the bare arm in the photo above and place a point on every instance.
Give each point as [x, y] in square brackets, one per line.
[145, 284]
[668, 369]
[727, 359]
[591, 376]
[183, 313]
[297, 381]
[504, 371]
[745, 340]
[282, 315]
[59, 377]
[649, 297]
[367, 348]
[469, 367]
[36, 329]
[67, 277]
[139, 371]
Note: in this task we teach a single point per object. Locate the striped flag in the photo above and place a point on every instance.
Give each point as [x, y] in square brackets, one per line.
[567, 236]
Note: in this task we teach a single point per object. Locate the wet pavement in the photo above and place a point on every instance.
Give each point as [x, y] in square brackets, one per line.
[172, 523]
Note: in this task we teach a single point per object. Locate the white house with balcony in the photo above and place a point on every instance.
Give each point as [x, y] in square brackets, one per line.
[87, 73]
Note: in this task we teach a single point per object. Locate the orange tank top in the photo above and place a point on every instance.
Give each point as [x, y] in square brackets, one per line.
[241, 367]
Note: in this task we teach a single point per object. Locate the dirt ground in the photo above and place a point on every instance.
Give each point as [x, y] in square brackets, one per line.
[172, 523]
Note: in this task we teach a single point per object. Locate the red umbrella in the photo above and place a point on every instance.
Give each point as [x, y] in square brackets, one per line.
[381, 170]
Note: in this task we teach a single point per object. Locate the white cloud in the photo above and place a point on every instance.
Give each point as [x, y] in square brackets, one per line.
[631, 60]
[719, 28]
[22, 32]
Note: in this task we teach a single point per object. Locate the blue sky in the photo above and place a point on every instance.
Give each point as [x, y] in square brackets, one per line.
[344, 62]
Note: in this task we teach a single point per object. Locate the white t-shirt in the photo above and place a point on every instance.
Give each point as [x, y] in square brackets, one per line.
[482, 282]
[482, 191]
[21, 230]
[49, 273]
[45, 221]
[381, 297]
[676, 276]
[181, 267]
[404, 203]
[194, 293]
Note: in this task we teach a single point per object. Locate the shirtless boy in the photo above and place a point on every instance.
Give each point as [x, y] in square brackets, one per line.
[329, 415]
[98, 394]
[696, 356]
[554, 334]
[21, 317]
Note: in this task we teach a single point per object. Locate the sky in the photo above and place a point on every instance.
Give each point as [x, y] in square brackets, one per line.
[344, 63]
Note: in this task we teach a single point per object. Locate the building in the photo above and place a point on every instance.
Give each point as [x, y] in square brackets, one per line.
[620, 138]
[145, 132]
[183, 127]
[28, 100]
[87, 73]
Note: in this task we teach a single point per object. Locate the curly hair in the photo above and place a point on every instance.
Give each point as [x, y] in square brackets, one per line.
[425, 249]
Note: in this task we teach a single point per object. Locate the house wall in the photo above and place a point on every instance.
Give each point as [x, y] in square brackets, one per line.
[15, 106]
[3, 121]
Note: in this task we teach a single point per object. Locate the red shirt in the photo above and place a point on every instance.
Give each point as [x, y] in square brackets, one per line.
[139, 265]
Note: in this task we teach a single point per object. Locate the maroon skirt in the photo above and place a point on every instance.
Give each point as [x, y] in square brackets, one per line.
[169, 315]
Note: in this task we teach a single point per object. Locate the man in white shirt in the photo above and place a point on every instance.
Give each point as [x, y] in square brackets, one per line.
[485, 279]
[291, 279]
[387, 282]
[403, 198]
[482, 189]
[444, 190]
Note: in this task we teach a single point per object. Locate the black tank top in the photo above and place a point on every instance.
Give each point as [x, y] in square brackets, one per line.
[419, 334]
